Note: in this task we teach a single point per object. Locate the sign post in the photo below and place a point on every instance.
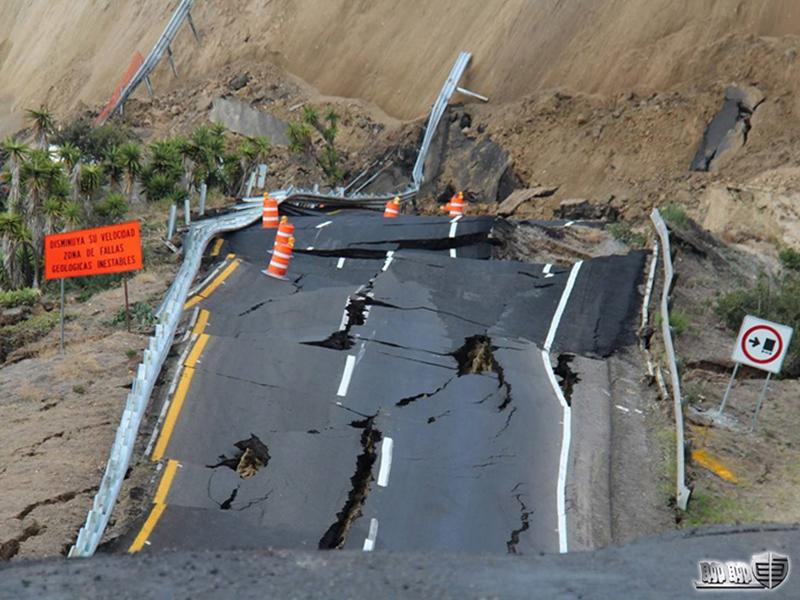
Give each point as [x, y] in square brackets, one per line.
[763, 345]
[61, 344]
[99, 251]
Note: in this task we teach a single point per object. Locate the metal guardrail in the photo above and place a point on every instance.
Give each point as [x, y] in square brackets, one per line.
[682, 492]
[340, 197]
[171, 308]
[437, 111]
[169, 314]
[157, 53]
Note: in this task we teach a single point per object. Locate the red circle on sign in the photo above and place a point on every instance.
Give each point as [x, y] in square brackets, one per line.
[762, 361]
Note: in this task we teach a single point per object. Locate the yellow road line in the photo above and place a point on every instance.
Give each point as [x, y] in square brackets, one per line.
[172, 413]
[192, 301]
[226, 272]
[217, 246]
[197, 350]
[159, 504]
[211, 287]
[705, 460]
[147, 528]
[166, 482]
[202, 321]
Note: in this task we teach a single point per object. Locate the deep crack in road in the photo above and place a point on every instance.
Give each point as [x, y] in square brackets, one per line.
[424, 350]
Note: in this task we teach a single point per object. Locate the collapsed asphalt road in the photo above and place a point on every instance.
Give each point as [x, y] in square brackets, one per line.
[399, 391]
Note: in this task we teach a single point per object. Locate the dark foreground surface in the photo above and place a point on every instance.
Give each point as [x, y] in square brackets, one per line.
[661, 567]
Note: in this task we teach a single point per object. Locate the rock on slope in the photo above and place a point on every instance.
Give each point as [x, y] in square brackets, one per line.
[372, 51]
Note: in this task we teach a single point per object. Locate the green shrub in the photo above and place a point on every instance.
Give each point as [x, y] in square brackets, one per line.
[775, 301]
[679, 321]
[12, 298]
[623, 232]
[142, 315]
[93, 142]
[790, 259]
[112, 208]
[674, 214]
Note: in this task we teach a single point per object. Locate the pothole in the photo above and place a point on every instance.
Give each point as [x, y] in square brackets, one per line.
[252, 456]
[336, 535]
[567, 377]
[339, 340]
[476, 356]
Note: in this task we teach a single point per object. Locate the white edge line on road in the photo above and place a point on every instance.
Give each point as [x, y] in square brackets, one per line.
[346, 375]
[566, 431]
[343, 324]
[452, 234]
[325, 224]
[340, 264]
[389, 259]
[562, 304]
[563, 462]
[386, 461]
[369, 542]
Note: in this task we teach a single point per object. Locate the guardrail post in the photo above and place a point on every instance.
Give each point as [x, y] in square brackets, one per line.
[173, 211]
[187, 210]
[191, 24]
[682, 493]
[203, 192]
[171, 61]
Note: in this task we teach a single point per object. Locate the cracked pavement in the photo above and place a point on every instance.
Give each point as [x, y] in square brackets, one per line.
[437, 358]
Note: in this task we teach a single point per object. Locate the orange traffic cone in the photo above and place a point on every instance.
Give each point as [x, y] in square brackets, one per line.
[392, 208]
[456, 205]
[279, 263]
[269, 215]
[285, 231]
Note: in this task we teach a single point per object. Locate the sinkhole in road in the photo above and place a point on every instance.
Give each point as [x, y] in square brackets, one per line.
[476, 356]
[356, 315]
[336, 535]
[567, 377]
[252, 455]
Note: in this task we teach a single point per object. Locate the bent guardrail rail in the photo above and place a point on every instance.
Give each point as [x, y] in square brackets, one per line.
[682, 492]
[169, 315]
[171, 308]
[437, 111]
[339, 197]
[156, 54]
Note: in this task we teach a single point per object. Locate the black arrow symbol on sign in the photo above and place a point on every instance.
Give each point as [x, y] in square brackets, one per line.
[754, 342]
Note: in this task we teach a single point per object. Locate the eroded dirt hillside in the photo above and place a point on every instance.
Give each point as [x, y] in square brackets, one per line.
[373, 51]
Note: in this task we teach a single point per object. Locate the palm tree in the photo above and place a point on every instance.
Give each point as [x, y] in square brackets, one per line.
[16, 151]
[90, 180]
[38, 172]
[52, 209]
[70, 155]
[252, 151]
[72, 215]
[131, 154]
[112, 208]
[43, 124]
[114, 167]
[11, 239]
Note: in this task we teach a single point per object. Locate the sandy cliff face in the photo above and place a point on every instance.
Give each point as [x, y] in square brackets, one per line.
[64, 52]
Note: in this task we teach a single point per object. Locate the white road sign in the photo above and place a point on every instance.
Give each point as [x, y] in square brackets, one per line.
[762, 344]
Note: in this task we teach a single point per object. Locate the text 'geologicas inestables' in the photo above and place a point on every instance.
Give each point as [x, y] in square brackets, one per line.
[99, 251]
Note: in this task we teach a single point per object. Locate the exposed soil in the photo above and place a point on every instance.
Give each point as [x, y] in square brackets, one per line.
[765, 461]
[623, 138]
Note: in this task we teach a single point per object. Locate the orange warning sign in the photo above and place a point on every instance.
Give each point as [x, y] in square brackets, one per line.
[98, 251]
